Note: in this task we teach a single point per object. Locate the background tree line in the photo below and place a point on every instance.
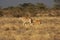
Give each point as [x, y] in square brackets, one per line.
[27, 9]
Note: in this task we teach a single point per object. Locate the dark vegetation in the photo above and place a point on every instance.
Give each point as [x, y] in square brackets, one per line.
[29, 9]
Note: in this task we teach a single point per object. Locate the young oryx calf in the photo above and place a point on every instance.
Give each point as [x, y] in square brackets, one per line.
[25, 20]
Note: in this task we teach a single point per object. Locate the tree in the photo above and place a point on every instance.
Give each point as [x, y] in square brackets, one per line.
[0, 7]
[56, 4]
[40, 6]
[28, 8]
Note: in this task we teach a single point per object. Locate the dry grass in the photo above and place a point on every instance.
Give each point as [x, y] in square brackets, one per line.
[12, 29]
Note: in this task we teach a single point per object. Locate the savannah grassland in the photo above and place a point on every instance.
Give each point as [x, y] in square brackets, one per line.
[11, 28]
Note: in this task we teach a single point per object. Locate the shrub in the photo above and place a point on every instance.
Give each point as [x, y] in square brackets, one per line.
[1, 13]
